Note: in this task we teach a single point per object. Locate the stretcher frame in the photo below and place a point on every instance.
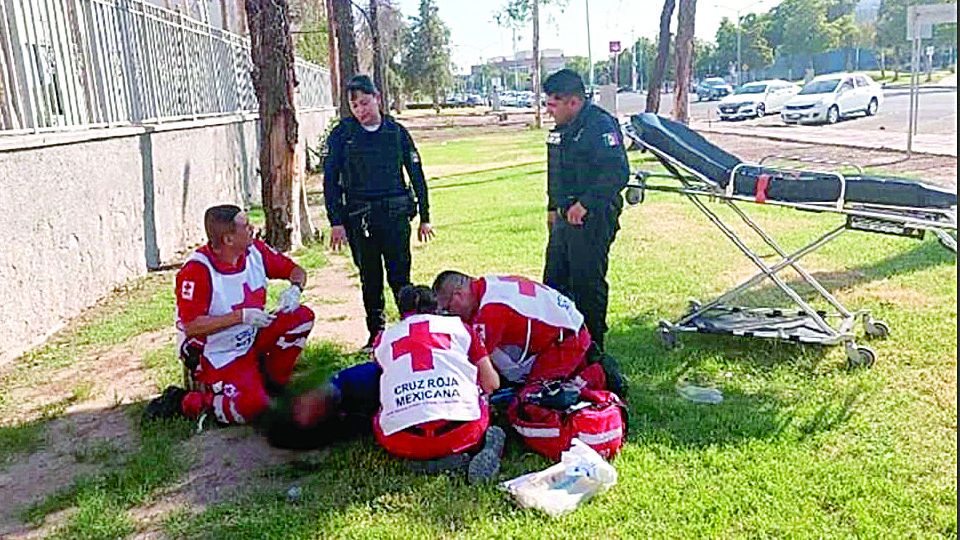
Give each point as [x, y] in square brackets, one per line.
[773, 323]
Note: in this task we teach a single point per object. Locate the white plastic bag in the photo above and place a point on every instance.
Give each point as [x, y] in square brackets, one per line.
[561, 488]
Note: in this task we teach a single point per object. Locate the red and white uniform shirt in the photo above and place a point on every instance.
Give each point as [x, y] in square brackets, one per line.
[207, 286]
[429, 372]
[518, 318]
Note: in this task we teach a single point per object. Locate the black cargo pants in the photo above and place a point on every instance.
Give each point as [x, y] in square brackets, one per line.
[379, 235]
[577, 262]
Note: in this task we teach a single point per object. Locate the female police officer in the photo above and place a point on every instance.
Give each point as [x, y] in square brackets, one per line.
[369, 205]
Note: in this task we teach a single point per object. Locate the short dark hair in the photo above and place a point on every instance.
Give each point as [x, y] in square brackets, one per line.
[219, 220]
[361, 83]
[417, 299]
[565, 82]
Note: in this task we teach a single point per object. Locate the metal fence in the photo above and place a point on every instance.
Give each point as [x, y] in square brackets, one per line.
[85, 63]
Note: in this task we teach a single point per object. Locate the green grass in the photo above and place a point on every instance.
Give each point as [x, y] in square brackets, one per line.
[904, 76]
[800, 448]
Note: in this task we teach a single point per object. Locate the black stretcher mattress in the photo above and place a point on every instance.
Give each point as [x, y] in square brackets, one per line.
[689, 148]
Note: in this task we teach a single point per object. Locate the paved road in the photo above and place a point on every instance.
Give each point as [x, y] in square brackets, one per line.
[937, 112]
[937, 123]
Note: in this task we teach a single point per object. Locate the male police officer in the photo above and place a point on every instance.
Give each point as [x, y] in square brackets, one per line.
[368, 203]
[586, 171]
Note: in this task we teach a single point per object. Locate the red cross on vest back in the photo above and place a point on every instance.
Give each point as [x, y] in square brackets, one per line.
[527, 287]
[419, 344]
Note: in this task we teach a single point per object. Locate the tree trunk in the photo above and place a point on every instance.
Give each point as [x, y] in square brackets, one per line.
[663, 53]
[378, 70]
[274, 81]
[536, 62]
[335, 81]
[347, 49]
[685, 24]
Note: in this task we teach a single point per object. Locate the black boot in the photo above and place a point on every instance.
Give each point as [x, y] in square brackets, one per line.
[375, 325]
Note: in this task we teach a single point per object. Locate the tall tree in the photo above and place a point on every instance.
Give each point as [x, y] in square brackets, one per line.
[801, 26]
[685, 40]
[373, 21]
[755, 50]
[274, 81]
[391, 28]
[346, 50]
[518, 12]
[663, 53]
[311, 43]
[426, 61]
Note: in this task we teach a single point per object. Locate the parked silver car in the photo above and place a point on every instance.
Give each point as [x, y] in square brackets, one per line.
[828, 98]
[756, 99]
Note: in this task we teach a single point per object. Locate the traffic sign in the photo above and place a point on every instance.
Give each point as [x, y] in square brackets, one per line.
[614, 46]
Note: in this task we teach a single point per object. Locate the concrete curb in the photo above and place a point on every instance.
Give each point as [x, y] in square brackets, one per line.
[781, 138]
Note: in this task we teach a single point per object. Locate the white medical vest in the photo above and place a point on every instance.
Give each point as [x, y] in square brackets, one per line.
[533, 301]
[427, 374]
[226, 291]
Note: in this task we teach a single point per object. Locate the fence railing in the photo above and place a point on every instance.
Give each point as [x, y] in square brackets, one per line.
[86, 63]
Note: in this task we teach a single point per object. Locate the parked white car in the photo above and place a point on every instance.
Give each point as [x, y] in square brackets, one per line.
[756, 99]
[828, 98]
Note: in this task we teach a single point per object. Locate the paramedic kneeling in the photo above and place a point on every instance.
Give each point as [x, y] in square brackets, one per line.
[434, 372]
[231, 346]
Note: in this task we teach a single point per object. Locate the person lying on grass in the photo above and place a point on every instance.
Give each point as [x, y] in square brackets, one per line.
[433, 376]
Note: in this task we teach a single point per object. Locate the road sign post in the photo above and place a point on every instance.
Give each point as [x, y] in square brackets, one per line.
[920, 21]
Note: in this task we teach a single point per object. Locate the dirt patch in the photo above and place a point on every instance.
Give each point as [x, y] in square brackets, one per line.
[333, 293]
[939, 170]
[96, 429]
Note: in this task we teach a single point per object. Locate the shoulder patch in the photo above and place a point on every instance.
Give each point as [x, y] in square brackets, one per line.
[611, 139]
[481, 330]
[186, 290]
[553, 138]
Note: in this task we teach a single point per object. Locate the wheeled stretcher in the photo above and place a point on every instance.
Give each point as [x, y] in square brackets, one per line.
[702, 172]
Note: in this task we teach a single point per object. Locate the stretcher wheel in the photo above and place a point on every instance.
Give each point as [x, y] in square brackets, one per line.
[669, 339]
[693, 306]
[877, 329]
[634, 195]
[865, 358]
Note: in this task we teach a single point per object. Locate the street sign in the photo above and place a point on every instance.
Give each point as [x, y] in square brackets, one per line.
[920, 19]
[930, 50]
[937, 13]
[614, 46]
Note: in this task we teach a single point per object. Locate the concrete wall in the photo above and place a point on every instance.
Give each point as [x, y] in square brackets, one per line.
[84, 212]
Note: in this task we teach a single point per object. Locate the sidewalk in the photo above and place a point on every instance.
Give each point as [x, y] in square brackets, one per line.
[923, 143]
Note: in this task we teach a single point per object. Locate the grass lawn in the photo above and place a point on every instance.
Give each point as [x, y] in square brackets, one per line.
[800, 447]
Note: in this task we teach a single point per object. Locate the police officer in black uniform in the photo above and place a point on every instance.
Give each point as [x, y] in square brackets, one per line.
[369, 204]
[586, 171]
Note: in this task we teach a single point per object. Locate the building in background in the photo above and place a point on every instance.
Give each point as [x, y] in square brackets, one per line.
[515, 72]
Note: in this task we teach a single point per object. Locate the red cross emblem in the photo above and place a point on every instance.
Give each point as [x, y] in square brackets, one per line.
[527, 287]
[254, 299]
[419, 344]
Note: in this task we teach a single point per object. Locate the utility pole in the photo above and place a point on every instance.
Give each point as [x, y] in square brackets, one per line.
[589, 43]
[536, 62]
[739, 24]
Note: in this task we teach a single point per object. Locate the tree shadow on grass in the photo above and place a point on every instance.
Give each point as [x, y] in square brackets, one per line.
[660, 415]
[919, 257]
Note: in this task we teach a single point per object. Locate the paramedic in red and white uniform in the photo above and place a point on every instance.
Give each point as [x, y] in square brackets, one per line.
[433, 370]
[234, 347]
[533, 332]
